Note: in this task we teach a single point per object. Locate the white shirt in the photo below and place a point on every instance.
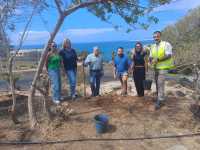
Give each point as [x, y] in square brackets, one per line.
[168, 48]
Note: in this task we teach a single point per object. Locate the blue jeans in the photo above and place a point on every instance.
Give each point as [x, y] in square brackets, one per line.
[71, 75]
[95, 77]
[54, 75]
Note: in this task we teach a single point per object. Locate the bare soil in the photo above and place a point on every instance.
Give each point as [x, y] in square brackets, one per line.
[130, 117]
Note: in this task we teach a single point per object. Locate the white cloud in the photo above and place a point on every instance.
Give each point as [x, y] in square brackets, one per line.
[30, 37]
[86, 32]
[38, 37]
[182, 5]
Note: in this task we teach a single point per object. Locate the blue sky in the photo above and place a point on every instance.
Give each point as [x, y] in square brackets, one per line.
[82, 26]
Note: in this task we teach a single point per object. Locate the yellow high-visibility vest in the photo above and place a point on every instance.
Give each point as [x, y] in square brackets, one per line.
[159, 52]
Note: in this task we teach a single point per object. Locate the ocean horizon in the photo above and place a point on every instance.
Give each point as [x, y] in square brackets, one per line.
[106, 47]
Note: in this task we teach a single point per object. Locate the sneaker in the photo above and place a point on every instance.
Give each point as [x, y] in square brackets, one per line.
[56, 101]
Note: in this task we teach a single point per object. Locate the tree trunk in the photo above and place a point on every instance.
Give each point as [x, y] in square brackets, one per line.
[12, 88]
[32, 117]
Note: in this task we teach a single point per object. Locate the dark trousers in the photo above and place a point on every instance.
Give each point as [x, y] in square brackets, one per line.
[95, 77]
[139, 77]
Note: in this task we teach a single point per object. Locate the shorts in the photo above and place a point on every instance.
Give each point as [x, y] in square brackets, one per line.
[120, 75]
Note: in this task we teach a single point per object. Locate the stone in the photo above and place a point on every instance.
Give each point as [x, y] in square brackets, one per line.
[180, 94]
[177, 147]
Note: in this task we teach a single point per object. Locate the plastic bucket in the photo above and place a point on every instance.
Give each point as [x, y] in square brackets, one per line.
[101, 123]
[147, 84]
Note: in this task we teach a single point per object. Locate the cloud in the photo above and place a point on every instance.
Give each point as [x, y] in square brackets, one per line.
[178, 5]
[30, 37]
[86, 32]
[38, 37]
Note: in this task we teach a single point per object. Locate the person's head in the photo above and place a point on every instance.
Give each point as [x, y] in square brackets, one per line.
[66, 44]
[53, 47]
[96, 51]
[138, 47]
[157, 36]
[120, 51]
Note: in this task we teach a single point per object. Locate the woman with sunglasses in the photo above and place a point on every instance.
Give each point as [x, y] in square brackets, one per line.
[53, 64]
[139, 68]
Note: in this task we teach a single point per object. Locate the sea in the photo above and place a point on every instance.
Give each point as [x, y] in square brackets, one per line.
[106, 48]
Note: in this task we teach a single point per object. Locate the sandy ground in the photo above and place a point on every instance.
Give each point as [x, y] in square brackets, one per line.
[130, 117]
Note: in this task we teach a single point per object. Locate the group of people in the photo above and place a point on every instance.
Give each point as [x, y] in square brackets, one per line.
[159, 57]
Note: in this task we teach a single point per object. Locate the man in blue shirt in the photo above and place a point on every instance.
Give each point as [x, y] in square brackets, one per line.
[121, 68]
[95, 63]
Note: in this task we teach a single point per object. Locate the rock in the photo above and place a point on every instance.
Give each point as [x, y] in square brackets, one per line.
[180, 94]
[171, 83]
[186, 82]
[170, 93]
[177, 147]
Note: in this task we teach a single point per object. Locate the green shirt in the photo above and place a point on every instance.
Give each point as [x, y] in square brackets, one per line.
[54, 62]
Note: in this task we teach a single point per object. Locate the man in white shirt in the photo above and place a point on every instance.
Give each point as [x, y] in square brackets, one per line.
[162, 61]
[95, 63]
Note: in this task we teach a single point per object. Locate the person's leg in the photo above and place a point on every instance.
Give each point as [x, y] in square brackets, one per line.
[125, 84]
[59, 83]
[141, 78]
[156, 81]
[92, 82]
[136, 80]
[54, 78]
[161, 89]
[71, 74]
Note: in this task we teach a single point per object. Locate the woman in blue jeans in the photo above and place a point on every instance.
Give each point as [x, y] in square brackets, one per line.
[53, 64]
[69, 58]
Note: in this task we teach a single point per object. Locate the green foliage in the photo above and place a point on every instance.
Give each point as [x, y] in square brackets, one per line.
[130, 11]
[185, 38]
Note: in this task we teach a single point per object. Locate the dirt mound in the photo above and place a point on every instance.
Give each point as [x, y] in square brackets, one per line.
[130, 117]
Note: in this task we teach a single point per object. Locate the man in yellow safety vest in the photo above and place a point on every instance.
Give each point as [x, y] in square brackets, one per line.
[162, 61]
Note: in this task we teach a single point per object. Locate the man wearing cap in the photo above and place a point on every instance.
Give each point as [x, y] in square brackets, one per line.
[95, 63]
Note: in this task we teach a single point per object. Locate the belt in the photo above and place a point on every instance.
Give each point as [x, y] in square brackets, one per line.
[139, 66]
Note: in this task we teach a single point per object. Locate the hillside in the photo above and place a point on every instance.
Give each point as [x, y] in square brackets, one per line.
[185, 37]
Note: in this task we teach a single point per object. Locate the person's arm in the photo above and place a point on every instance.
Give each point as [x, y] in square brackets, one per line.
[87, 61]
[129, 63]
[62, 66]
[168, 52]
[46, 61]
[133, 61]
[76, 57]
[114, 68]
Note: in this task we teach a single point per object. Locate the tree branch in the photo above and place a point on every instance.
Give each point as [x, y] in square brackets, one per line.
[58, 7]
[82, 5]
